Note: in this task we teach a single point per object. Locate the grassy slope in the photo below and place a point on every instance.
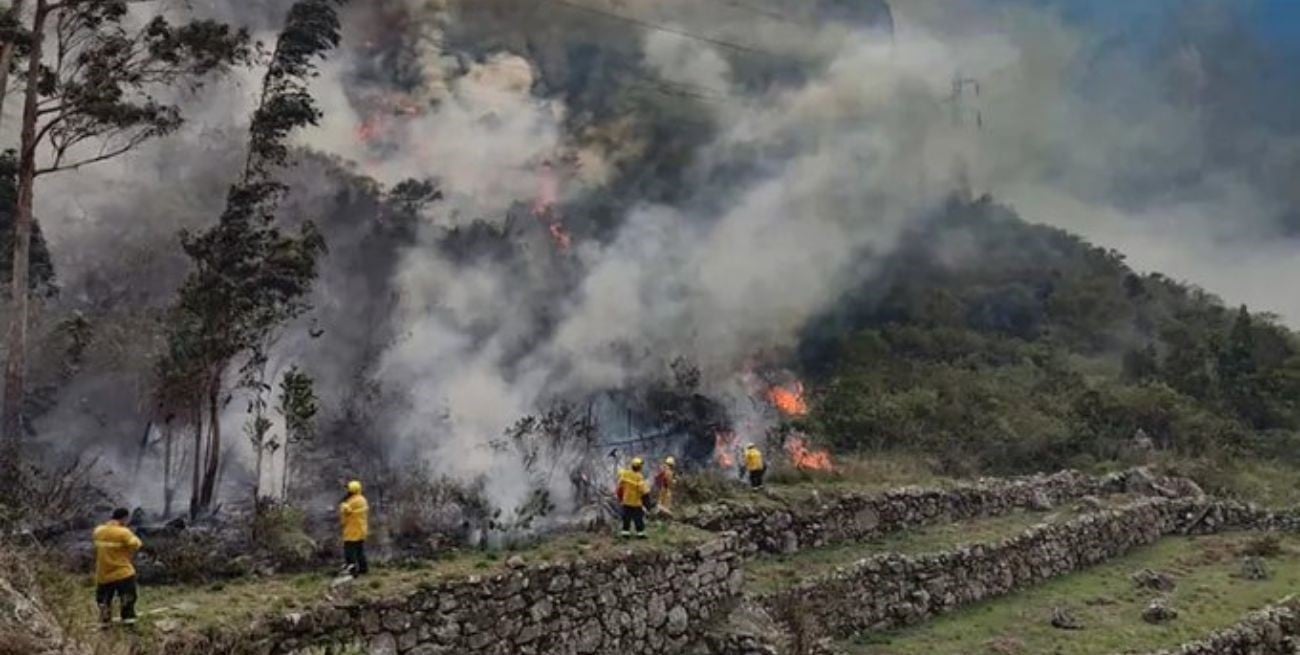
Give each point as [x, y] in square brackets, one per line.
[1209, 597]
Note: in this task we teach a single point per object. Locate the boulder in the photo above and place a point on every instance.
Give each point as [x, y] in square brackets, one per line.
[1159, 612]
[1064, 619]
[1154, 581]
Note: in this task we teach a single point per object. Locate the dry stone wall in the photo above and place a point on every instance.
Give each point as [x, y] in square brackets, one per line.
[1272, 631]
[863, 516]
[892, 590]
[644, 602]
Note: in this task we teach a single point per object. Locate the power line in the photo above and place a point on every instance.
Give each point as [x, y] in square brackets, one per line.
[644, 24]
[769, 13]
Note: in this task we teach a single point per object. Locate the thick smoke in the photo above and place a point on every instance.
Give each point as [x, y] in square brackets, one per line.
[824, 137]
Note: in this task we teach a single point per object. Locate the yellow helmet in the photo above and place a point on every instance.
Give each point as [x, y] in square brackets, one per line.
[670, 462]
[354, 487]
[637, 462]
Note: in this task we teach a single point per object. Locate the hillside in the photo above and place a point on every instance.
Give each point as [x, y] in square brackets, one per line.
[1004, 346]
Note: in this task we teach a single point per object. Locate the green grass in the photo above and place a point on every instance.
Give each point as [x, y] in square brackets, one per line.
[235, 603]
[772, 572]
[1209, 597]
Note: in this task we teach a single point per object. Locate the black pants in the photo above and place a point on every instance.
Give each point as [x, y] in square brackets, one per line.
[354, 553]
[633, 515]
[756, 478]
[124, 590]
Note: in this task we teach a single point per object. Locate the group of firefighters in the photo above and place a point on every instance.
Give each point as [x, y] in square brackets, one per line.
[116, 545]
[634, 490]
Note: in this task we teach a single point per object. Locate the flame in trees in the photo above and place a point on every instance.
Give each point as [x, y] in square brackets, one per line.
[560, 236]
[548, 189]
[545, 206]
[382, 114]
[805, 458]
[724, 448]
[788, 399]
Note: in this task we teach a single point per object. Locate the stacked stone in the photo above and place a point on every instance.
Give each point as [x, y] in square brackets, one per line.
[645, 602]
[892, 590]
[853, 517]
[1272, 631]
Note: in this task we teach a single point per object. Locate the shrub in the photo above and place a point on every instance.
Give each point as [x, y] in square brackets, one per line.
[705, 487]
[423, 506]
[280, 531]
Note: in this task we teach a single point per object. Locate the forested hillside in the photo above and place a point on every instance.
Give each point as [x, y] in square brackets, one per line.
[999, 345]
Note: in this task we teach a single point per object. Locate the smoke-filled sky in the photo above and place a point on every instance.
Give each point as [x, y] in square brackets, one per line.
[725, 177]
[1173, 137]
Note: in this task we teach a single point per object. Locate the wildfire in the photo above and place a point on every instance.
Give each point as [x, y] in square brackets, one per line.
[805, 458]
[788, 399]
[370, 129]
[560, 236]
[724, 448]
[385, 113]
[544, 206]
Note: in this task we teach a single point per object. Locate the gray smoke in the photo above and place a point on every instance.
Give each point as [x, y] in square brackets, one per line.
[820, 139]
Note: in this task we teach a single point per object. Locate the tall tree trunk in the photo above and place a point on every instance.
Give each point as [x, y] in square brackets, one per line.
[257, 476]
[195, 482]
[284, 473]
[16, 366]
[214, 443]
[144, 448]
[7, 50]
[168, 492]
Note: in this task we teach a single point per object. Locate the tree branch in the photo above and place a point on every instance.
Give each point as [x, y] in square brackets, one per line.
[91, 160]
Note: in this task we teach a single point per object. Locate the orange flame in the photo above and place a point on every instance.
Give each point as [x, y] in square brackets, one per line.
[805, 458]
[724, 449]
[370, 129]
[385, 114]
[788, 400]
[560, 236]
[548, 196]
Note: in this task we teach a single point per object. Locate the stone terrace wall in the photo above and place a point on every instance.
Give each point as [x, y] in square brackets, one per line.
[647, 602]
[863, 516]
[1272, 631]
[892, 590]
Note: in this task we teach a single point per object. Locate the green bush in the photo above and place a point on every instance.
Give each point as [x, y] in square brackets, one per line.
[280, 531]
[705, 487]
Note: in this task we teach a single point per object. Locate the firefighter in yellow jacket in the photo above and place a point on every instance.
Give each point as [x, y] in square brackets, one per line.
[754, 465]
[632, 490]
[115, 546]
[354, 518]
[664, 485]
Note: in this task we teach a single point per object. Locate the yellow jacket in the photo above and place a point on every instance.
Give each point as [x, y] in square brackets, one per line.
[354, 515]
[115, 544]
[753, 459]
[665, 483]
[634, 487]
